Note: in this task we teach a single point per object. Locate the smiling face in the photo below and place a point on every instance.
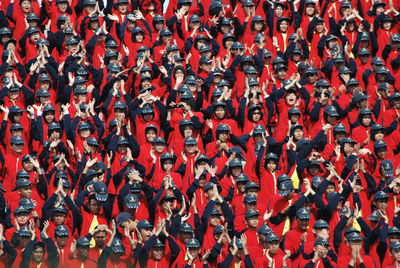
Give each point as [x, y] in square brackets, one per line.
[26, 6]
[38, 254]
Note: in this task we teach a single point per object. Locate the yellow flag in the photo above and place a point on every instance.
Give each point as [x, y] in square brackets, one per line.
[93, 225]
[295, 177]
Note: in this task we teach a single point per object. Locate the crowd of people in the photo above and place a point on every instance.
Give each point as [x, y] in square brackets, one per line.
[200, 133]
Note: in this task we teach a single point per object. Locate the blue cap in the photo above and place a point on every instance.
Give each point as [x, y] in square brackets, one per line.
[285, 187]
[272, 237]
[303, 214]
[395, 245]
[219, 229]
[190, 141]
[17, 140]
[250, 199]
[387, 167]
[117, 246]
[321, 224]
[21, 209]
[264, 229]
[61, 230]
[101, 191]
[82, 242]
[24, 231]
[193, 243]
[375, 215]
[124, 216]
[393, 230]
[251, 213]
[186, 228]
[23, 183]
[380, 195]
[321, 241]
[27, 203]
[144, 224]
[242, 178]
[131, 201]
[354, 237]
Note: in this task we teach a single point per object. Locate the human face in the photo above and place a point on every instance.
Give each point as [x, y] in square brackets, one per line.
[387, 25]
[94, 206]
[252, 222]
[283, 26]
[364, 59]
[62, 7]
[49, 117]
[319, 28]
[148, 117]
[22, 218]
[330, 188]
[123, 8]
[273, 247]
[236, 171]
[271, 165]
[396, 254]
[83, 252]
[61, 241]
[310, 9]
[184, 237]
[303, 224]
[146, 234]
[256, 116]
[313, 170]
[188, 131]
[291, 99]
[59, 218]
[27, 165]
[223, 136]
[278, 11]
[167, 165]
[24, 241]
[258, 26]
[37, 255]
[25, 191]
[13, 95]
[220, 112]
[158, 253]
[298, 133]
[331, 119]
[190, 149]
[122, 149]
[366, 120]
[84, 133]
[139, 37]
[166, 205]
[150, 135]
[381, 204]
[215, 220]
[381, 153]
[159, 147]
[194, 252]
[26, 6]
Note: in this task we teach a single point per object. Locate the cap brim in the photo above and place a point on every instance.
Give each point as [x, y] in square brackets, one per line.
[101, 197]
[132, 205]
[284, 193]
[388, 172]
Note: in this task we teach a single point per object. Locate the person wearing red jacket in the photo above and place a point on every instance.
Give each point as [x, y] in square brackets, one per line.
[13, 163]
[273, 256]
[395, 254]
[80, 254]
[355, 257]
[295, 238]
